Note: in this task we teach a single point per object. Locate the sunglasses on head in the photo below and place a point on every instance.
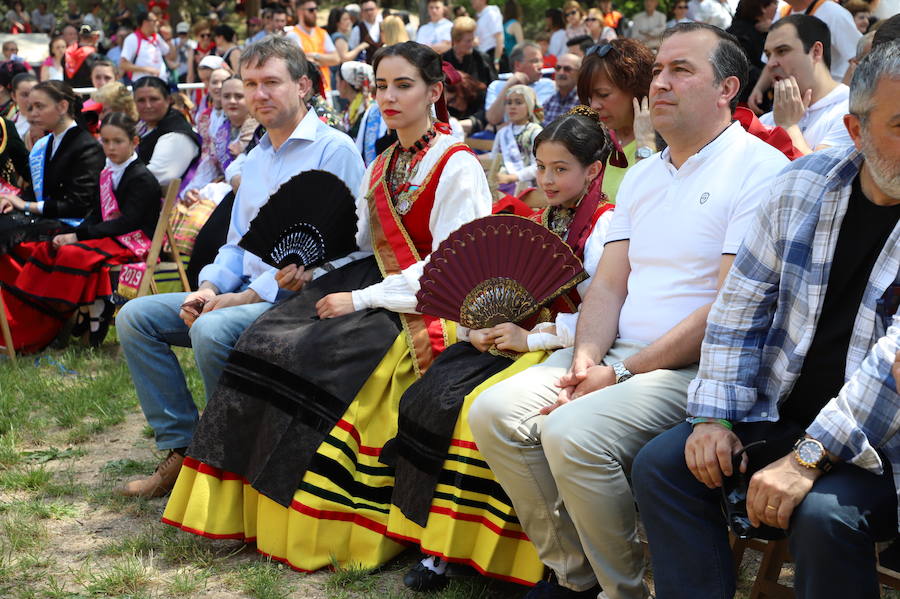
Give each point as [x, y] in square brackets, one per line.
[600, 50]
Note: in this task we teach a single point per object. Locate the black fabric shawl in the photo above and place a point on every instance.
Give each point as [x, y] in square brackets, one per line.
[429, 410]
[14, 158]
[172, 122]
[139, 202]
[72, 176]
[289, 379]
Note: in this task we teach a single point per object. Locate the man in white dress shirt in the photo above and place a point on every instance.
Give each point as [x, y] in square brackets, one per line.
[238, 286]
[809, 104]
[436, 33]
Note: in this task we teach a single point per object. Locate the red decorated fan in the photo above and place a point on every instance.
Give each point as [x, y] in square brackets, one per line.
[497, 269]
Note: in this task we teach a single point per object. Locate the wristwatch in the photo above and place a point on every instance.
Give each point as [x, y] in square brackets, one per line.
[643, 152]
[622, 373]
[811, 454]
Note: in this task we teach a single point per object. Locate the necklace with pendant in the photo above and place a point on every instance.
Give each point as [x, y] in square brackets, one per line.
[406, 166]
[560, 219]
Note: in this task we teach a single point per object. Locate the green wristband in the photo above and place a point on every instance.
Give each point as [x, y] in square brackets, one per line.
[700, 420]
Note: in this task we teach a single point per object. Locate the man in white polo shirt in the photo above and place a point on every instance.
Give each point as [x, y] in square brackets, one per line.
[143, 50]
[436, 33]
[561, 436]
[809, 104]
[489, 32]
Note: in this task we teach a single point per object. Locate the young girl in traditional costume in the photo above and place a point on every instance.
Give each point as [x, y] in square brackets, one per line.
[513, 143]
[286, 453]
[444, 496]
[72, 270]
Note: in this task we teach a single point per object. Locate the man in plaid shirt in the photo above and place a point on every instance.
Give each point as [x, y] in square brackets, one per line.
[566, 95]
[799, 351]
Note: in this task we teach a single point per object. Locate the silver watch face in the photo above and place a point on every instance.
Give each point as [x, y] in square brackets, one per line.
[644, 153]
[809, 452]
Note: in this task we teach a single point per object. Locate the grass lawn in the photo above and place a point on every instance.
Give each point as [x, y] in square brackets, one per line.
[70, 431]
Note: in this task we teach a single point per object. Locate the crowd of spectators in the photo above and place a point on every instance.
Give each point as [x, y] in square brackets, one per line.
[736, 289]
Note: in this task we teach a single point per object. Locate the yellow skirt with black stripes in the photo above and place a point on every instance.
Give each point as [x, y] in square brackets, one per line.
[341, 513]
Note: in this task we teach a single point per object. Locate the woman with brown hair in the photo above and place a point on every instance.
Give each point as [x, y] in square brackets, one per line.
[615, 81]
[573, 13]
[205, 46]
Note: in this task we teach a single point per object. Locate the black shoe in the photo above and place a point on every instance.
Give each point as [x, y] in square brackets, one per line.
[97, 337]
[82, 324]
[552, 590]
[419, 578]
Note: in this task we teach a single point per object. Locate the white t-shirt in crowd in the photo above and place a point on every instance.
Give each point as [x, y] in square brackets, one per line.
[823, 123]
[680, 223]
[145, 54]
[434, 33]
[490, 23]
[844, 34]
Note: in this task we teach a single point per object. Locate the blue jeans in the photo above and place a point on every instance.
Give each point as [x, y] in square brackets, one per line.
[147, 327]
[832, 534]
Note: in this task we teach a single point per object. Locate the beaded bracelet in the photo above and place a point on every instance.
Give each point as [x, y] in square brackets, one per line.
[700, 420]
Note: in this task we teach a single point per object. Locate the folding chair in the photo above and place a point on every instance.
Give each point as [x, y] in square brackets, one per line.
[162, 231]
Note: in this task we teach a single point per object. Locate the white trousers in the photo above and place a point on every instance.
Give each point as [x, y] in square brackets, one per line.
[567, 473]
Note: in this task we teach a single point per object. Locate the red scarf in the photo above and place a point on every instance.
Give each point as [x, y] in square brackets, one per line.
[75, 57]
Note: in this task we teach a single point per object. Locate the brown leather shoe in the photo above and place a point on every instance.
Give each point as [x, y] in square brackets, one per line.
[159, 483]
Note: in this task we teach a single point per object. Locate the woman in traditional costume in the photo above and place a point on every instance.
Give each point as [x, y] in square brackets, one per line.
[208, 188]
[209, 125]
[169, 146]
[355, 85]
[286, 453]
[72, 270]
[65, 172]
[444, 497]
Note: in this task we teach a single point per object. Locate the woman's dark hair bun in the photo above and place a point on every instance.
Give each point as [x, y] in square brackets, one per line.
[581, 132]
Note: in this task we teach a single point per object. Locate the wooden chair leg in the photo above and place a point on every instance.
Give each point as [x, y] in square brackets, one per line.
[738, 547]
[766, 585]
[7, 335]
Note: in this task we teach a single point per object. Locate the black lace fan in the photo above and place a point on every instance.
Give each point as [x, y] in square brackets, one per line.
[310, 220]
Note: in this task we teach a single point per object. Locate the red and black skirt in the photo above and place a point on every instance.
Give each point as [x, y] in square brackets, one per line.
[42, 286]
